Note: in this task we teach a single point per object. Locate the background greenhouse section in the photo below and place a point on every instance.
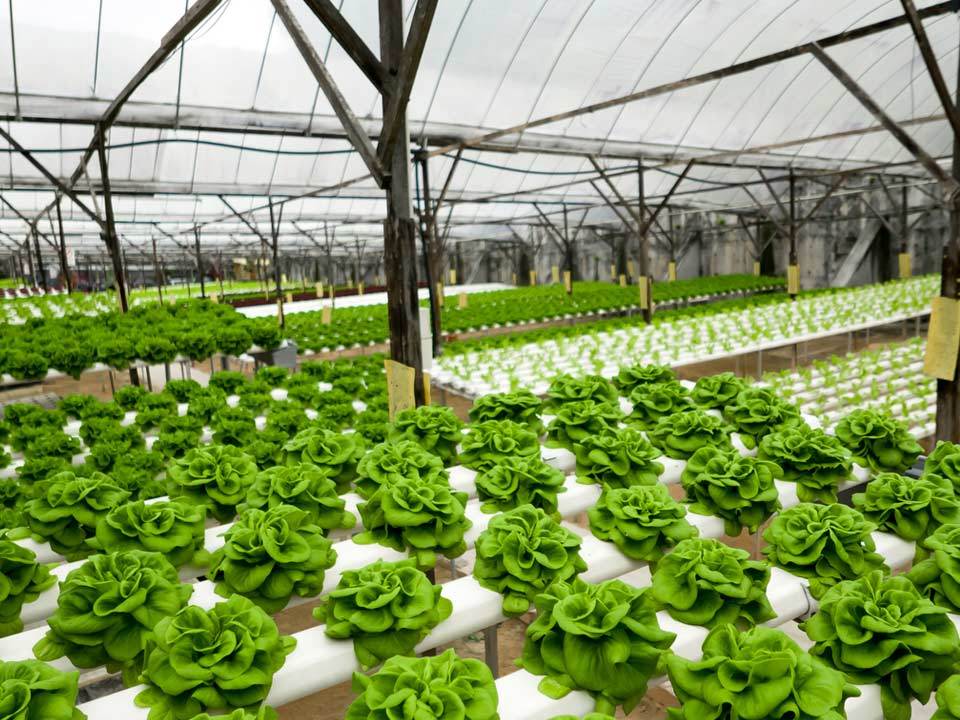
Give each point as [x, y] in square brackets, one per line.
[525, 310]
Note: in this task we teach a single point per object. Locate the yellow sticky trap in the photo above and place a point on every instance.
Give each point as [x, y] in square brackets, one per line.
[213, 298]
[533, 277]
[567, 281]
[426, 388]
[279, 311]
[644, 292]
[906, 265]
[631, 268]
[440, 294]
[289, 297]
[453, 276]
[756, 269]
[613, 272]
[623, 281]
[554, 274]
[400, 380]
[671, 271]
[514, 278]
[359, 288]
[318, 288]
[793, 279]
[283, 278]
[943, 339]
[462, 300]
[326, 315]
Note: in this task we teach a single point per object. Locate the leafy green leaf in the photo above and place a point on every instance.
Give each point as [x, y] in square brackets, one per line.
[910, 507]
[521, 407]
[173, 528]
[488, 443]
[517, 481]
[335, 452]
[22, 579]
[878, 441]
[680, 435]
[217, 476]
[619, 457]
[304, 486]
[435, 428]
[33, 690]
[817, 462]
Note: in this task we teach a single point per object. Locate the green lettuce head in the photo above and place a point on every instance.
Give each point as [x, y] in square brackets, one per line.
[435, 428]
[680, 435]
[760, 674]
[706, 582]
[878, 441]
[33, 690]
[107, 610]
[945, 462]
[817, 462]
[657, 400]
[390, 461]
[580, 419]
[488, 443]
[755, 412]
[517, 481]
[910, 507]
[305, 486]
[216, 476]
[823, 543]
[717, 391]
[233, 426]
[386, 608]
[423, 517]
[521, 407]
[225, 657]
[328, 449]
[172, 528]
[66, 512]
[521, 552]
[566, 388]
[631, 377]
[603, 639]
[948, 700]
[261, 713]
[22, 579]
[407, 688]
[739, 490]
[879, 629]
[620, 457]
[641, 520]
[937, 575]
[270, 555]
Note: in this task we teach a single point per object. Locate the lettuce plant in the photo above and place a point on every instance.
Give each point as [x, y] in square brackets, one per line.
[35, 472]
[948, 699]
[945, 462]
[521, 407]
[233, 426]
[706, 582]
[603, 639]
[75, 404]
[114, 445]
[12, 499]
[107, 609]
[128, 396]
[881, 630]
[517, 481]
[305, 486]
[435, 428]
[739, 490]
[286, 417]
[137, 471]
[680, 435]
[566, 388]
[823, 543]
[181, 390]
[386, 608]
[205, 402]
[488, 443]
[654, 401]
[910, 507]
[576, 420]
[817, 462]
[755, 412]
[334, 452]
[178, 435]
[407, 688]
[619, 457]
[215, 476]
[266, 447]
[760, 674]
[522, 552]
[717, 391]
[588, 716]
[937, 574]
[262, 713]
[172, 528]
[373, 425]
[66, 512]
[641, 520]
[22, 579]
[389, 461]
[228, 381]
[271, 555]
[878, 441]
[631, 377]
[97, 409]
[33, 690]
[422, 516]
[224, 657]
[153, 409]
[52, 442]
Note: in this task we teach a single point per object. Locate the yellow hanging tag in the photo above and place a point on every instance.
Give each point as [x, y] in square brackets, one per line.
[906, 265]
[644, 292]
[630, 268]
[671, 271]
[554, 274]
[326, 315]
[943, 339]
[359, 288]
[426, 388]
[453, 276]
[400, 379]
[567, 281]
[462, 300]
[440, 297]
[793, 279]
[756, 268]
[533, 277]
[319, 290]
[623, 281]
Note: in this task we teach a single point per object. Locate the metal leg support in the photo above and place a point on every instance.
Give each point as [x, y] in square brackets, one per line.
[491, 649]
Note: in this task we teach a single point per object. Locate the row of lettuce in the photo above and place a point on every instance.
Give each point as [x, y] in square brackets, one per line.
[157, 333]
[126, 608]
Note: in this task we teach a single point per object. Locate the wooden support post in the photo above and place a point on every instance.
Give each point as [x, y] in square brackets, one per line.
[278, 282]
[792, 227]
[644, 242]
[41, 271]
[64, 268]
[430, 253]
[399, 227]
[196, 245]
[158, 275]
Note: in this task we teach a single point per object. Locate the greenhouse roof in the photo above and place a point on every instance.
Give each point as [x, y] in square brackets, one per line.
[236, 112]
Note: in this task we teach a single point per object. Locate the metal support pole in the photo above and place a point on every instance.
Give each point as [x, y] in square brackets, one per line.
[64, 268]
[158, 276]
[196, 244]
[429, 244]
[491, 649]
[793, 227]
[644, 239]
[40, 269]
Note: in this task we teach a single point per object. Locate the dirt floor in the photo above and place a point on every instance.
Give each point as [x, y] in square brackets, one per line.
[331, 704]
